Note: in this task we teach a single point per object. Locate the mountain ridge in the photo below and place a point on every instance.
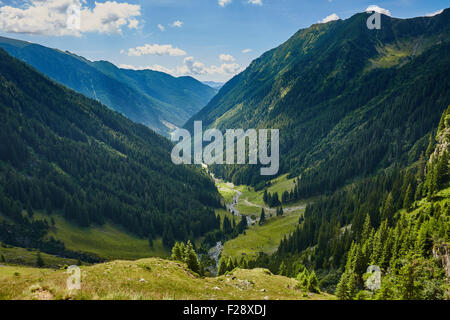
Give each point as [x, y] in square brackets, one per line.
[328, 80]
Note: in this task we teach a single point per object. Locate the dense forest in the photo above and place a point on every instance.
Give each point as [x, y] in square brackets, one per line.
[348, 101]
[64, 153]
[398, 220]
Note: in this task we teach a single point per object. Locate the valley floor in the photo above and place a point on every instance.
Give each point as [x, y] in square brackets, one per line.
[243, 200]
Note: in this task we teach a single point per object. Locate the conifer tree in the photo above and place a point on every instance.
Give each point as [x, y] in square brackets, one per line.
[222, 269]
[191, 258]
[177, 252]
[262, 218]
[230, 265]
[409, 198]
[283, 269]
[441, 177]
[389, 209]
[313, 283]
[303, 278]
[430, 148]
[39, 260]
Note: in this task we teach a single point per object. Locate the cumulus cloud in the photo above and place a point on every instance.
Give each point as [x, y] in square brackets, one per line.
[133, 23]
[375, 8]
[177, 24]
[246, 50]
[227, 58]
[331, 17]
[256, 2]
[224, 3]
[51, 17]
[161, 27]
[191, 67]
[156, 49]
[432, 14]
[196, 68]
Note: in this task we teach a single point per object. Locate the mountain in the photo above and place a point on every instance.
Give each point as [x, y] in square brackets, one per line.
[152, 98]
[150, 279]
[214, 84]
[397, 222]
[348, 101]
[63, 153]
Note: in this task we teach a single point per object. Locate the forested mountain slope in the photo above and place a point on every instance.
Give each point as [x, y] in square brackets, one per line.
[152, 98]
[348, 100]
[62, 152]
[398, 221]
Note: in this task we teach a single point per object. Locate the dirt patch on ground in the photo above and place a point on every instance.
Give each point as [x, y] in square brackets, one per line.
[42, 294]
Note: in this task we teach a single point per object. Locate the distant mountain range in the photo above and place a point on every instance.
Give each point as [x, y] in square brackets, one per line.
[213, 84]
[155, 99]
[348, 100]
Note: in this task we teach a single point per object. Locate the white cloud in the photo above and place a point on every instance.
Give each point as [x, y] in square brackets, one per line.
[246, 50]
[156, 49]
[191, 67]
[432, 14]
[224, 3]
[161, 27]
[196, 68]
[256, 2]
[374, 8]
[177, 24]
[331, 17]
[51, 17]
[133, 24]
[227, 58]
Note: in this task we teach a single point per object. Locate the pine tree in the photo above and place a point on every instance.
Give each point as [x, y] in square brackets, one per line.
[313, 283]
[222, 269]
[282, 271]
[230, 265]
[30, 211]
[441, 177]
[39, 261]
[262, 219]
[430, 148]
[389, 209]
[177, 252]
[303, 278]
[242, 226]
[409, 198]
[191, 258]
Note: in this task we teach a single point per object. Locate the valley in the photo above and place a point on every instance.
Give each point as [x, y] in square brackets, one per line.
[259, 238]
[87, 176]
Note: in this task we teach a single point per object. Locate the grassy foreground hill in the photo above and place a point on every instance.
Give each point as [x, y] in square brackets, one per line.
[148, 279]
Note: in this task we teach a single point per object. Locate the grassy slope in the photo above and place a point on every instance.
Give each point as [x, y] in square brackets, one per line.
[28, 257]
[150, 279]
[7, 273]
[108, 241]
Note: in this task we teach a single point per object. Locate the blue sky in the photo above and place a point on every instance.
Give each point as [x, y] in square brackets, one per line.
[207, 39]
